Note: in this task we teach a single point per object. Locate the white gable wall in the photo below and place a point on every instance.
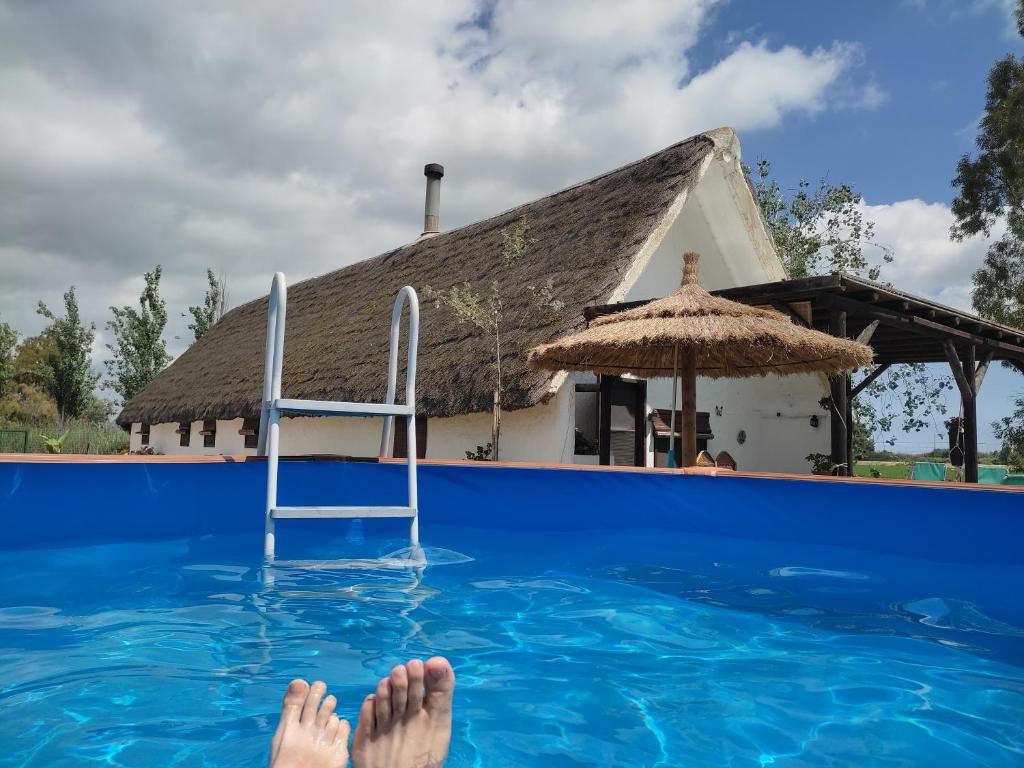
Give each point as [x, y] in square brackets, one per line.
[718, 221]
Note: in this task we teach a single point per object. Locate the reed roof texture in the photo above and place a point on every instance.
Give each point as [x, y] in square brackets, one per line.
[585, 238]
[728, 339]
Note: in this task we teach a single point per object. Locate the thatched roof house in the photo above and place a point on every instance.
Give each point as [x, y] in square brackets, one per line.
[587, 238]
[616, 237]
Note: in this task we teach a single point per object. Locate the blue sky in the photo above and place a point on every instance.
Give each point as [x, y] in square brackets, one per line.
[231, 136]
[929, 59]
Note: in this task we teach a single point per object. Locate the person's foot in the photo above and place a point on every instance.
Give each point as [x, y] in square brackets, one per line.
[309, 734]
[407, 723]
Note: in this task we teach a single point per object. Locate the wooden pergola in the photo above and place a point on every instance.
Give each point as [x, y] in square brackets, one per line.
[900, 327]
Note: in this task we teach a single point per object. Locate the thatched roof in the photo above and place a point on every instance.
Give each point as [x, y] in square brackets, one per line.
[586, 238]
[726, 338]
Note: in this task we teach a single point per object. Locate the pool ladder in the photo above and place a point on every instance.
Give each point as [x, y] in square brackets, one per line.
[274, 405]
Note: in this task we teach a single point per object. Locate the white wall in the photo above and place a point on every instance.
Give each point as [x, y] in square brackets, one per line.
[774, 412]
[540, 434]
[163, 438]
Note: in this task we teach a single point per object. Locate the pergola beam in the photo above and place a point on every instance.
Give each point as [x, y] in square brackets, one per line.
[866, 382]
[788, 309]
[979, 374]
[920, 326]
[966, 391]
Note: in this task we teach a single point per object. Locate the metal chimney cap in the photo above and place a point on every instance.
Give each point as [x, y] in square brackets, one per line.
[433, 170]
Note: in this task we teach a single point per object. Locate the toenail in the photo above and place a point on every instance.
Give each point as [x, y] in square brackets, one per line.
[437, 673]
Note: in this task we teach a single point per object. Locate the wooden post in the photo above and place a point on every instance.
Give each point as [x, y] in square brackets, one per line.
[838, 387]
[849, 426]
[688, 429]
[970, 419]
[964, 371]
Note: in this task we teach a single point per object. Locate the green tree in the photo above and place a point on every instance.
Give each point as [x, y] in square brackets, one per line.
[138, 353]
[66, 370]
[991, 188]
[820, 229]
[991, 185]
[485, 311]
[8, 342]
[206, 315]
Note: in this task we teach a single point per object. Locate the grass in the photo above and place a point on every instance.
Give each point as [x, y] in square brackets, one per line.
[897, 470]
[81, 437]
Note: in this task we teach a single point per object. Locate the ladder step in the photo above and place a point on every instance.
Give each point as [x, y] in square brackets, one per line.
[353, 564]
[326, 408]
[302, 513]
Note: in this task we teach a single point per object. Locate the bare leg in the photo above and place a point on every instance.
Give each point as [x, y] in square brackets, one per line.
[309, 734]
[407, 723]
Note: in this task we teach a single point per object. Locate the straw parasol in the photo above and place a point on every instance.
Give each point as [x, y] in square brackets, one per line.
[693, 333]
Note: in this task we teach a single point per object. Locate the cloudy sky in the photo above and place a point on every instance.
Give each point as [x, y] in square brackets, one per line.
[249, 137]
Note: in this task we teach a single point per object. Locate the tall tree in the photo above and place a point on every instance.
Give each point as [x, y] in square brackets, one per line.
[138, 352]
[66, 369]
[8, 341]
[991, 189]
[821, 228]
[206, 315]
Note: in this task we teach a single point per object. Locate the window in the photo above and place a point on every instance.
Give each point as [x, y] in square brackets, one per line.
[184, 431]
[209, 433]
[251, 431]
[144, 434]
[401, 438]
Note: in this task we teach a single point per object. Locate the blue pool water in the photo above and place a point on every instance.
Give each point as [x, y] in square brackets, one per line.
[603, 648]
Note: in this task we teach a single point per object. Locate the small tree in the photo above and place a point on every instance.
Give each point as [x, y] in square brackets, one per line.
[8, 342]
[66, 370]
[486, 312]
[206, 315]
[138, 352]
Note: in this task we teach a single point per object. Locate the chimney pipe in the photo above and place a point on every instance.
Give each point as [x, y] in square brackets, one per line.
[432, 206]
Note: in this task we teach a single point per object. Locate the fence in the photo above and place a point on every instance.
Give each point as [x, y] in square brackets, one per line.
[79, 437]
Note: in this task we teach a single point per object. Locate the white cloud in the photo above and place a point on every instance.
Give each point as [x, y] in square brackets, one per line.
[246, 139]
[926, 261]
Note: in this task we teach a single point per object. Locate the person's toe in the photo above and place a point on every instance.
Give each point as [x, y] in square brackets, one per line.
[414, 697]
[326, 710]
[291, 709]
[331, 726]
[383, 704]
[440, 682]
[294, 697]
[367, 724]
[341, 737]
[399, 691]
[312, 703]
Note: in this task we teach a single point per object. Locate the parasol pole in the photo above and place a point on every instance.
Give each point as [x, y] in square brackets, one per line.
[689, 415]
[672, 417]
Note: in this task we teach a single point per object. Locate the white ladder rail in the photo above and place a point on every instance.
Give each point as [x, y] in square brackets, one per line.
[273, 405]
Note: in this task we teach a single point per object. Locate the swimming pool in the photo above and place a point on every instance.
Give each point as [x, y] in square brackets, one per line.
[699, 629]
